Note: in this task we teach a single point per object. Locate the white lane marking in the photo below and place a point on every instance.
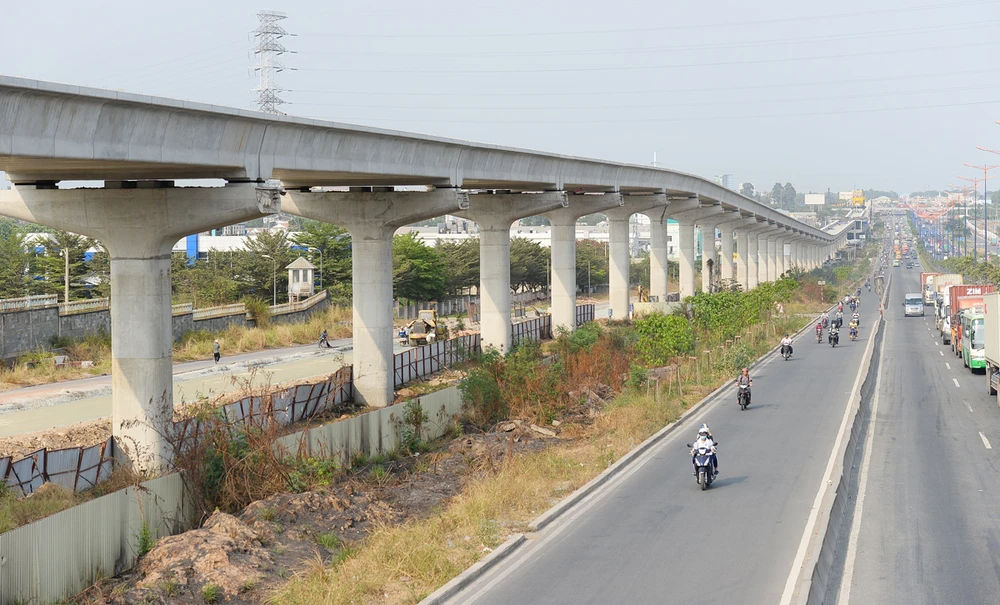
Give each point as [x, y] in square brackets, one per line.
[852, 541]
[967, 405]
[942, 353]
[955, 380]
[947, 365]
[986, 442]
[800, 554]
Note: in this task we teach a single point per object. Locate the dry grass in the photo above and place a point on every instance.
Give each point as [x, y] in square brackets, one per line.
[404, 563]
[193, 347]
[51, 499]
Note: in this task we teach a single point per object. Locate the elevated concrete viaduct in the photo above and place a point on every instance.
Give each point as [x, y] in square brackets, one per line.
[137, 145]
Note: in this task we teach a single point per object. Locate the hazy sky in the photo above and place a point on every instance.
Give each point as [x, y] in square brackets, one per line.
[859, 93]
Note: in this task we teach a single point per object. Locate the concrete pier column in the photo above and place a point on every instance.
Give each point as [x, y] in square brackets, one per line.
[708, 257]
[753, 260]
[689, 213]
[772, 257]
[618, 246]
[747, 229]
[726, 259]
[658, 263]
[710, 279]
[372, 218]
[139, 223]
[494, 213]
[563, 221]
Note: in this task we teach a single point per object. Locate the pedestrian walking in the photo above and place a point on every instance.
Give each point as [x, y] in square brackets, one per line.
[216, 350]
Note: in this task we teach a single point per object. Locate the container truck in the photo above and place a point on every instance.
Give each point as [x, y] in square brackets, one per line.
[926, 286]
[991, 342]
[943, 280]
[961, 298]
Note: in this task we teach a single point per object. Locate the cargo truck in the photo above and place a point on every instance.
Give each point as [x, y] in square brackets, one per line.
[958, 299]
[991, 342]
[941, 281]
[926, 286]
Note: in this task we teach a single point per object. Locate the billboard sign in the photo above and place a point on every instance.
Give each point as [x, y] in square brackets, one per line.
[815, 199]
[845, 196]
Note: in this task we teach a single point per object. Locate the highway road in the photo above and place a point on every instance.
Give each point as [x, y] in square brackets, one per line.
[650, 536]
[930, 520]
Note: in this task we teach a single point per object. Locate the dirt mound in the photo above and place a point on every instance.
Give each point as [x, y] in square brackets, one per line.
[224, 552]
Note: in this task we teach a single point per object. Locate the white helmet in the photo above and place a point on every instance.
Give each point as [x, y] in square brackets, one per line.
[703, 430]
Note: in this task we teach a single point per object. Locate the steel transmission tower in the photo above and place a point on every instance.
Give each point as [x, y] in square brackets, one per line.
[268, 35]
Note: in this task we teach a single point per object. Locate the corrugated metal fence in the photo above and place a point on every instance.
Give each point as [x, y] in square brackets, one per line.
[75, 468]
[81, 468]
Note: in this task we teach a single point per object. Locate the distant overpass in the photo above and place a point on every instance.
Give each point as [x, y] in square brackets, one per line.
[139, 145]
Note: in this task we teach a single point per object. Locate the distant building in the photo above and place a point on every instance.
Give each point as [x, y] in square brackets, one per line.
[726, 180]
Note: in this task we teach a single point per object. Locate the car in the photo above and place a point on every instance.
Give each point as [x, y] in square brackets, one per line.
[909, 265]
[895, 262]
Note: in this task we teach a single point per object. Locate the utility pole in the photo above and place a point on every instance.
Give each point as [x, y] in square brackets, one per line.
[268, 35]
[986, 169]
[65, 253]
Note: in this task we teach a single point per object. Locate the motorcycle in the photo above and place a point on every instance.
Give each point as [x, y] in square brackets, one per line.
[834, 338]
[704, 468]
[854, 334]
[819, 336]
[743, 397]
[786, 351]
[826, 323]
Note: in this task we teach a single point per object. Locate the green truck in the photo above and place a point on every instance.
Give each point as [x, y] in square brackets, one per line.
[973, 339]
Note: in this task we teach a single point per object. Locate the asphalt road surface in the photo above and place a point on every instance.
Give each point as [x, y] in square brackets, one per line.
[930, 518]
[653, 537]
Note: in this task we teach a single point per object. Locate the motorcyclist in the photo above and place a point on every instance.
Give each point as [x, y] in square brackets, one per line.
[856, 318]
[834, 334]
[819, 330]
[840, 306]
[786, 342]
[826, 319]
[704, 440]
[744, 379]
[854, 328]
[840, 319]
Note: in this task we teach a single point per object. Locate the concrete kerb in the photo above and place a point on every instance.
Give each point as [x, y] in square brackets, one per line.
[468, 576]
[459, 582]
[814, 549]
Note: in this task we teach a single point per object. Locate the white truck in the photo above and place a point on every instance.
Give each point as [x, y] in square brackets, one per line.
[991, 347]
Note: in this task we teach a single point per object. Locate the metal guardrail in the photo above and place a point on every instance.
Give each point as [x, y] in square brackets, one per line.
[223, 311]
[28, 302]
[302, 305]
[84, 306]
[434, 357]
[584, 314]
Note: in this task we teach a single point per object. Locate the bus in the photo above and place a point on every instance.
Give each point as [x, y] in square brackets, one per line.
[973, 339]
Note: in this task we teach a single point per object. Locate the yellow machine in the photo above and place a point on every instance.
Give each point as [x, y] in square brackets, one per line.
[426, 328]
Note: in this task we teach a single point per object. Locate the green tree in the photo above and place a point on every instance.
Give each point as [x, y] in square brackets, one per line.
[52, 264]
[15, 260]
[638, 271]
[591, 263]
[461, 264]
[418, 271]
[788, 196]
[100, 271]
[747, 189]
[528, 265]
[777, 194]
[663, 337]
[256, 269]
[329, 248]
[205, 283]
[535, 221]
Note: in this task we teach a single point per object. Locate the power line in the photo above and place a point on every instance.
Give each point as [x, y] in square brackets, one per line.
[480, 35]
[588, 93]
[368, 121]
[688, 47]
[664, 106]
[894, 51]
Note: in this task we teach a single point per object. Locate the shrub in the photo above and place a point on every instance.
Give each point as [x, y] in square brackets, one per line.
[663, 337]
[259, 309]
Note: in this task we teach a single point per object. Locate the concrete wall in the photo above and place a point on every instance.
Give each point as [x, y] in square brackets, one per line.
[25, 331]
[79, 325]
[22, 332]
